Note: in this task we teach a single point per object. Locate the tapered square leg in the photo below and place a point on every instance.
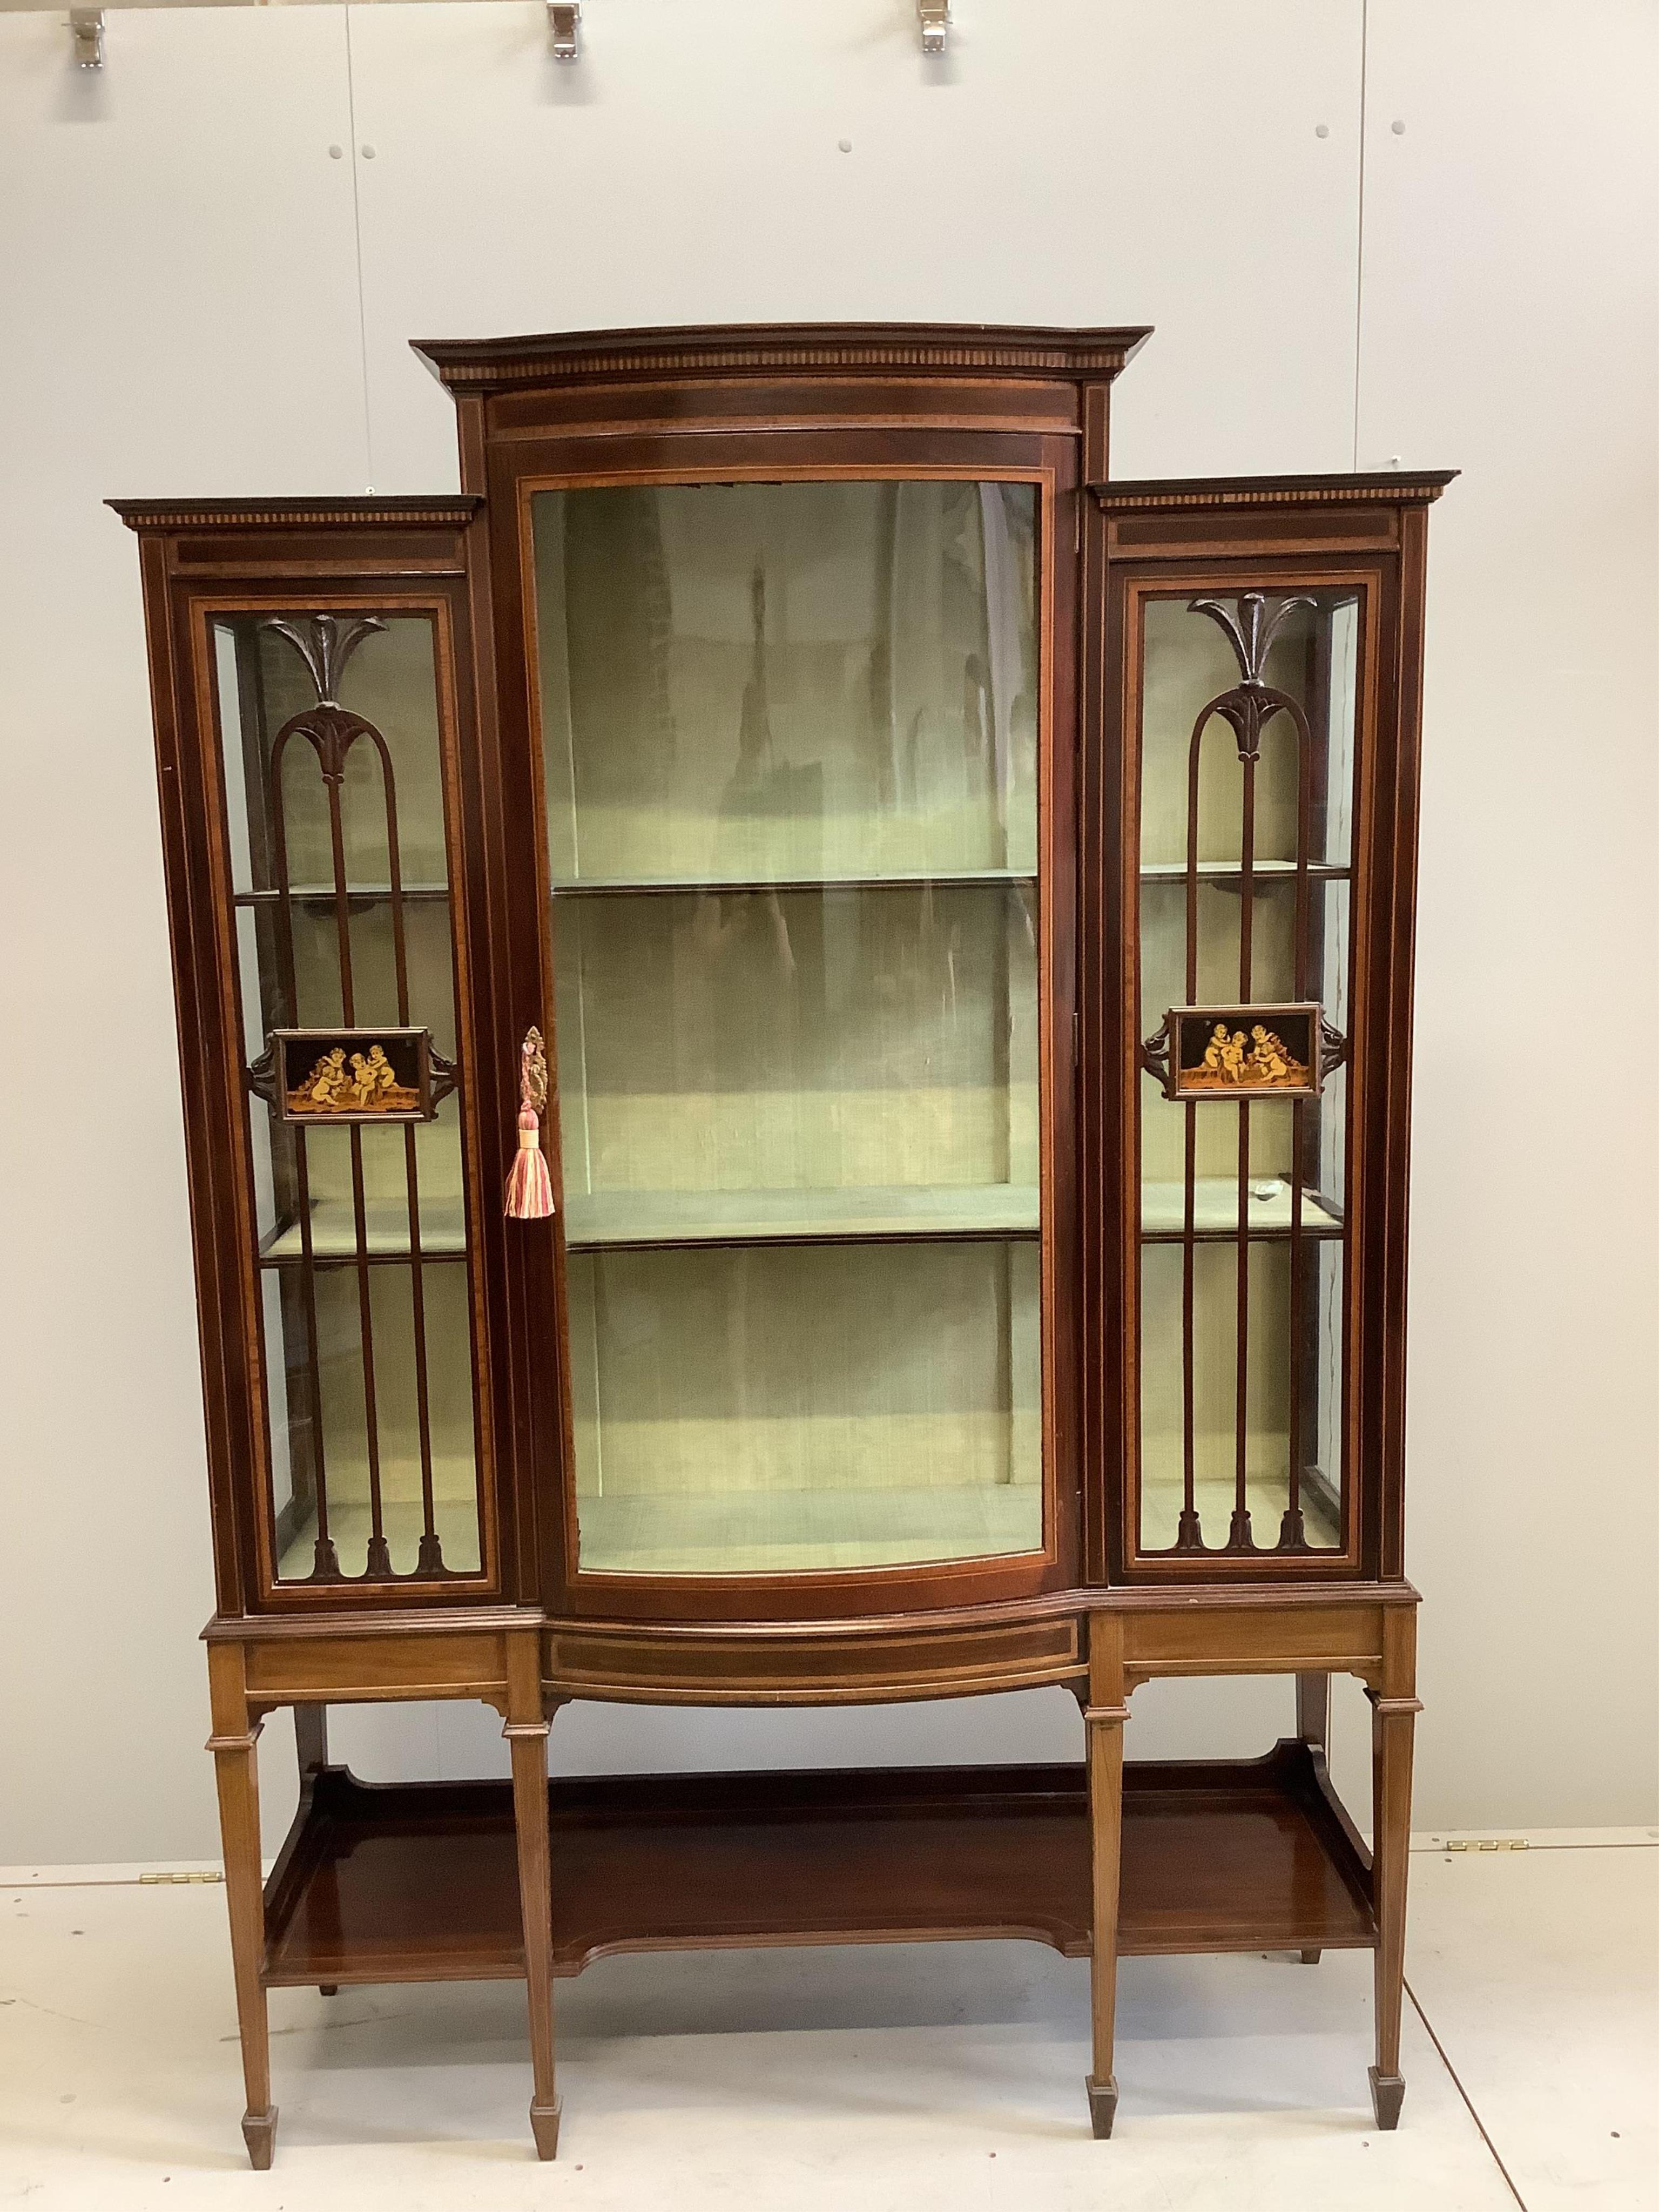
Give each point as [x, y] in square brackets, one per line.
[1102, 1720]
[236, 1771]
[526, 1733]
[1394, 1715]
[1105, 1742]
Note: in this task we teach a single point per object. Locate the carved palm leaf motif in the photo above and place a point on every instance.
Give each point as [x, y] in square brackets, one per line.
[1250, 630]
[325, 643]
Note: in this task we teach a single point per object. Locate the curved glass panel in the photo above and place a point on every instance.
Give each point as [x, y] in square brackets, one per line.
[790, 736]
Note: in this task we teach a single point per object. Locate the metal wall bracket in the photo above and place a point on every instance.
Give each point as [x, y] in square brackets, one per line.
[564, 23]
[87, 35]
[935, 17]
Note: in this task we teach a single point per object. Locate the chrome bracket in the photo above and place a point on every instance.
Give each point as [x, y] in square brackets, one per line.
[87, 36]
[935, 17]
[564, 23]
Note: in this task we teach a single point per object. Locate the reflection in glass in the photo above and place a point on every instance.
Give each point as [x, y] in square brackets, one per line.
[361, 1238]
[1240, 1336]
[790, 741]
[778, 1409]
[807, 1041]
[778, 682]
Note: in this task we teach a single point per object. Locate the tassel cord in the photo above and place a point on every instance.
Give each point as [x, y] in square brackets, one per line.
[529, 1183]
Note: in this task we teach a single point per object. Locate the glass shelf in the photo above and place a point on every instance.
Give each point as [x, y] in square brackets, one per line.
[896, 879]
[1231, 872]
[385, 1227]
[324, 894]
[1215, 1210]
[603, 1218]
[645, 1219]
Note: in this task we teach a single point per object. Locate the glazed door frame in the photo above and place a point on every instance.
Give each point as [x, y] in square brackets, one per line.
[513, 468]
[1282, 536]
[341, 558]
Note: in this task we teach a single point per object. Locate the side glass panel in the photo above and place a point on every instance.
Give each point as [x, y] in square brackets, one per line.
[1247, 762]
[790, 735]
[333, 772]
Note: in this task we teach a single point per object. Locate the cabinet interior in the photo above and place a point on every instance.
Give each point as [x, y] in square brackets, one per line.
[790, 736]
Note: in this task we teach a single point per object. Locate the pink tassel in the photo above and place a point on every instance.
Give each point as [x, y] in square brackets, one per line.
[528, 1185]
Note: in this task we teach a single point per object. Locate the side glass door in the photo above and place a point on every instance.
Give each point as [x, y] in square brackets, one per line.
[1250, 837]
[337, 750]
[1246, 745]
[791, 740]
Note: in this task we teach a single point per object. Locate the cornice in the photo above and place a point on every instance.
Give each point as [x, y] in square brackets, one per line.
[796, 348]
[1379, 487]
[405, 512]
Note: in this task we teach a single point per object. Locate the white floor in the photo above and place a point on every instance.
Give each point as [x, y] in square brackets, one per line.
[918, 2077]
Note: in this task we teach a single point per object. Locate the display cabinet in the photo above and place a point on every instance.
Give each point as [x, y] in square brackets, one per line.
[795, 1027]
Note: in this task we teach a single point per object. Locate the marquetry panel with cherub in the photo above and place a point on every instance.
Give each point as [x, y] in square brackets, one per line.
[353, 1075]
[1243, 1051]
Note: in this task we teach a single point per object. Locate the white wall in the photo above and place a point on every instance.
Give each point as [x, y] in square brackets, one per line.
[196, 299]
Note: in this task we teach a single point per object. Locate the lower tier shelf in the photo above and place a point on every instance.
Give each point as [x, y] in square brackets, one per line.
[418, 1881]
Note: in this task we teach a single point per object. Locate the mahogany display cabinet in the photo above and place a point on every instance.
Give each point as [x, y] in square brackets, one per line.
[795, 1015]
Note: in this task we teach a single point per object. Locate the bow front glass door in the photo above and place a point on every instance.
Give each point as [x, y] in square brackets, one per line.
[791, 736]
